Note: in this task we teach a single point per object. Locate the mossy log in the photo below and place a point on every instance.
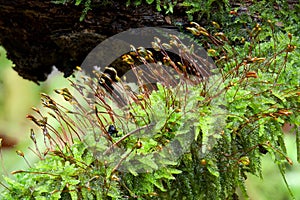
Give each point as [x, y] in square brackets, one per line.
[38, 35]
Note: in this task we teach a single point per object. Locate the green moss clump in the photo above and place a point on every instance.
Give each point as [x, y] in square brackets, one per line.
[180, 142]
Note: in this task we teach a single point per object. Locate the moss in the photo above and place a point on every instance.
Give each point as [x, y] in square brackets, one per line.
[224, 126]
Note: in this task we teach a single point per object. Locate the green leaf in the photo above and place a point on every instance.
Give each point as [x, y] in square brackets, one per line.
[132, 169]
[137, 2]
[174, 171]
[158, 184]
[149, 1]
[78, 2]
[213, 169]
[158, 8]
[149, 160]
[197, 131]
[278, 95]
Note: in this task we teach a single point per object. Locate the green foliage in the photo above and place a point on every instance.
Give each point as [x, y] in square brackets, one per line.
[166, 5]
[87, 5]
[204, 8]
[192, 7]
[176, 142]
[56, 173]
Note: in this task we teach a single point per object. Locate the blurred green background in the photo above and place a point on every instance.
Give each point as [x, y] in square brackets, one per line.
[17, 96]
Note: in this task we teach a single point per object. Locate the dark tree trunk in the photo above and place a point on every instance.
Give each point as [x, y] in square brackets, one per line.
[39, 34]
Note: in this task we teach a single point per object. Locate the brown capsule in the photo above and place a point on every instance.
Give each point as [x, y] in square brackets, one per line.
[159, 148]
[35, 109]
[194, 31]
[251, 74]
[195, 24]
[205, 33]
[223, 58]
[173, 42]
[289, 160]
[139, 145]
[115, 178]
[43, 122]
[243, 40]
[78, 68]
[32, 118]
[66, 93]
[197, 29]
[216, 25]
[203, 162]
[233, 12]
[111, 73]
[272, 115]
[290, 36]
[290, 48]
[211, 52]
[150, 58]
[166, 60]
[57, 91]
[155, 46]
[140, 97]
[153, 194]
[133, 51]
[200, 28]
[46, 152]
[222, 36]
[285, 112]
[20, 153]
[32, 135]
[177, 110]
[166, 46]
[157, 40]
[17, 171]
[128, 59]
[255, 59]
[244, 160]
[142, 51]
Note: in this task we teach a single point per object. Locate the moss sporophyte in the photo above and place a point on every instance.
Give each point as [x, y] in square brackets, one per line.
[170, 123]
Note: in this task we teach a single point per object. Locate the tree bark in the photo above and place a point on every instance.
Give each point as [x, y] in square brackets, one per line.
[38, 35]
